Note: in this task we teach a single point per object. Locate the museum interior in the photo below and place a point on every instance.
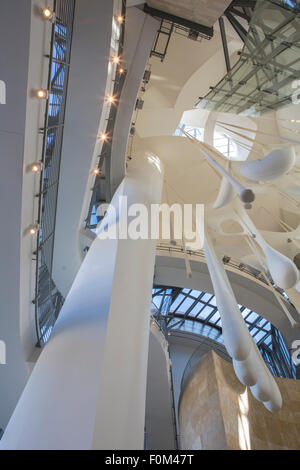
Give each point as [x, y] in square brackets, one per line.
[109, 108]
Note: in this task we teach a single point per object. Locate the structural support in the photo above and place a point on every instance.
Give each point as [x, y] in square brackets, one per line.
[225, 45]
[200, 28]
[88, 388]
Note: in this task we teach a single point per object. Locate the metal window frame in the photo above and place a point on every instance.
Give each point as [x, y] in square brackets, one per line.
[277, 358]
[48, 300]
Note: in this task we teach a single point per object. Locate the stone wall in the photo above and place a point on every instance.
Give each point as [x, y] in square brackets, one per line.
[217, 412]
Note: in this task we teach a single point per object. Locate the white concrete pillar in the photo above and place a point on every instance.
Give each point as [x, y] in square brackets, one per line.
[88, 388]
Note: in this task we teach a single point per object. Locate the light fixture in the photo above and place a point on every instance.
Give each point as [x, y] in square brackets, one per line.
[96, 171]
[111, 99]
[49, 14]
[139, 104]
[147, 75]
[121, 70]
[120, 19]
[33, 229]
[103, 137]
[36, 167]
[42, 94]
[116, 60]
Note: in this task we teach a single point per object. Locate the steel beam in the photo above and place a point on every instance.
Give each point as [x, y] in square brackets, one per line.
[202, 29]
[224, 42]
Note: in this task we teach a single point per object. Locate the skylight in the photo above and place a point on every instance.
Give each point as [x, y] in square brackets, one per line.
[196, 311]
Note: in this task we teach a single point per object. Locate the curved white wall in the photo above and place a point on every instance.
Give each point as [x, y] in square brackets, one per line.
[23, 41]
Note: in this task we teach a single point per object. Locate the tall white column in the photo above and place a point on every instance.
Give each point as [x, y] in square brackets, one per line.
[88, 388]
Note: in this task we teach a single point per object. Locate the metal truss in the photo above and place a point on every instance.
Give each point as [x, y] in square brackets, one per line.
[170, 23]
[175, 308]
[48, 300]
[262, 79]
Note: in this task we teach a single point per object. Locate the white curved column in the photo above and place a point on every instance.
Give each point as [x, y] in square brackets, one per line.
[88, 388]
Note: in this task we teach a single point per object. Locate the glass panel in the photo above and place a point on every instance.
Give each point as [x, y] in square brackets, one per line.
[176, 302]
[205, 312]
[251, 317]
[206, 297]
[214, 318]
[262, 78]
[185, 305]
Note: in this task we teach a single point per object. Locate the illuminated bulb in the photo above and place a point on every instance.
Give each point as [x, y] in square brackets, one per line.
[110, 99]
[33, 229]
[121, 71]
[47, 13]
[103, 137]
[120, 19]
[96, 171]
[42, 94]
[36, 167]
[116, 60]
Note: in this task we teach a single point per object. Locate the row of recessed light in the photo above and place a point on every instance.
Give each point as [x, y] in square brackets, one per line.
[110, 98]
[44, 94]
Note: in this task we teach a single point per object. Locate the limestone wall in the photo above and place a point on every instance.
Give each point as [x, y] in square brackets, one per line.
[217, 412]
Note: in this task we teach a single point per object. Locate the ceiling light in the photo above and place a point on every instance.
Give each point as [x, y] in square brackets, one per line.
[96, 171]
[111, 99]
[42, 94]
[121, 70]
[33, 229]
[36, 167]
[120, 19]
[103, 136]
[116, 60]
[48, 14]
